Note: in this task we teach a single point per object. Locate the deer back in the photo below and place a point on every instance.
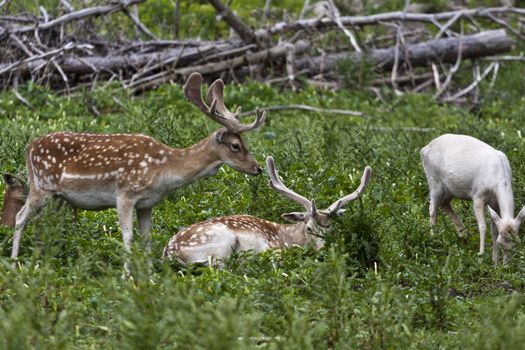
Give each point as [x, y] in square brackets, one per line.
[58, 158]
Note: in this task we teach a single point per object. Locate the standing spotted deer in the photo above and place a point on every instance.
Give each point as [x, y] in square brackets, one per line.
[132, 171]
[14, 199]
[460, 166]
[218, 238]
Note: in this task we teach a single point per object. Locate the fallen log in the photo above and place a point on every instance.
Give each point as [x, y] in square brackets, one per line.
[482, 44]
[132, 61]
[274, 53]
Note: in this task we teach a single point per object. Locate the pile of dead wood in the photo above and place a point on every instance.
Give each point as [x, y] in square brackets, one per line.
[419, 50]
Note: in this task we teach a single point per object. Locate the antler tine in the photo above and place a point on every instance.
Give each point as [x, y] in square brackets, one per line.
[277, 185]
[192, 90]
[216, 92]
[228, 118]
[260, 117]
[332, 210]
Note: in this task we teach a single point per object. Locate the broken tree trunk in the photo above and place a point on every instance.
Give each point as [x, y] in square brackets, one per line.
[487, 43]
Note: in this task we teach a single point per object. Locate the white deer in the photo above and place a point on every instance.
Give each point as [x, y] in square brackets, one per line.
[218, 238]
[460, 166]
[132, 171]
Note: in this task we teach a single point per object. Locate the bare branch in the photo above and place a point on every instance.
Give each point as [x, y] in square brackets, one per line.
[136, 21]
[447, 25]
[452, 70]
[357, 21]
[235, 23]
[307, 108]
[73, 16]
[45, 55]
[443, 50]
[336, 17]
[472, 85]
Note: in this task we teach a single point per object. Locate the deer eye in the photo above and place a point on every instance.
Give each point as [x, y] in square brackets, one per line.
[235, 147]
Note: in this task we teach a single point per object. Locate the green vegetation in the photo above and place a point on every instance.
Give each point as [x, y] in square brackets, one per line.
[428, 291]
[382, 281]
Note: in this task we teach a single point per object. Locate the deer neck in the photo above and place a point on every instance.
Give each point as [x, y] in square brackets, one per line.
[505, 200]
[294, 234]
[189, 164]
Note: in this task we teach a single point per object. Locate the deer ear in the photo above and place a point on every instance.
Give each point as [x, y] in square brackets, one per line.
[9, 179]
[294, 217]
[521, 215]
[219, 135]
[495, 217]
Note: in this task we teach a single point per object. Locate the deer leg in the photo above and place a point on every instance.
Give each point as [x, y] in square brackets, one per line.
[125, 219]
[479, 211]
[436, 198]
[458, 224]
[35, 201]
[144, 219]
[495, 245]
[506, 256]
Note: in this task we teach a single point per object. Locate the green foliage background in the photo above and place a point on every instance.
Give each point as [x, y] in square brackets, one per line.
[383, 281]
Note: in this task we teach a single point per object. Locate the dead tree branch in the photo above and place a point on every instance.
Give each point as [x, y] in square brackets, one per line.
[306, 108]
[360, 21]
[74, 16]
[246, 34]
[446, 50]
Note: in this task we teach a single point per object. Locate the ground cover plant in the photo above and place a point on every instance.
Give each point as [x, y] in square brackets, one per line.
[382, 281]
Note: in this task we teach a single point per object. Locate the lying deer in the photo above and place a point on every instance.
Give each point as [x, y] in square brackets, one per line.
[14, 198]
[132, 171]
[459, 166]
[218, 238]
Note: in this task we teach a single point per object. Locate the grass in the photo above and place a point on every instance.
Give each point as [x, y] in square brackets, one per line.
[383, 281]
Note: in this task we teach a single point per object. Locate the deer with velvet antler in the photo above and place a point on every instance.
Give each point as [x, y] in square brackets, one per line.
[132, 171]
[218, 238]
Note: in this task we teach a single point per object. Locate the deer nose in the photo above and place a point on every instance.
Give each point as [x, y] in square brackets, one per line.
[258, 169]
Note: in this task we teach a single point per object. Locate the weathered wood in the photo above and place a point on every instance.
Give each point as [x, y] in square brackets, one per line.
[132, 61]
[220, 66]
[41, 52]
[487, 43]
[315, 24]
[74, 16]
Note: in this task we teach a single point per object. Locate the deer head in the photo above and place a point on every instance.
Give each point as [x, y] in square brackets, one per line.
[317, 221]
[14, 199]
[230, 146]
